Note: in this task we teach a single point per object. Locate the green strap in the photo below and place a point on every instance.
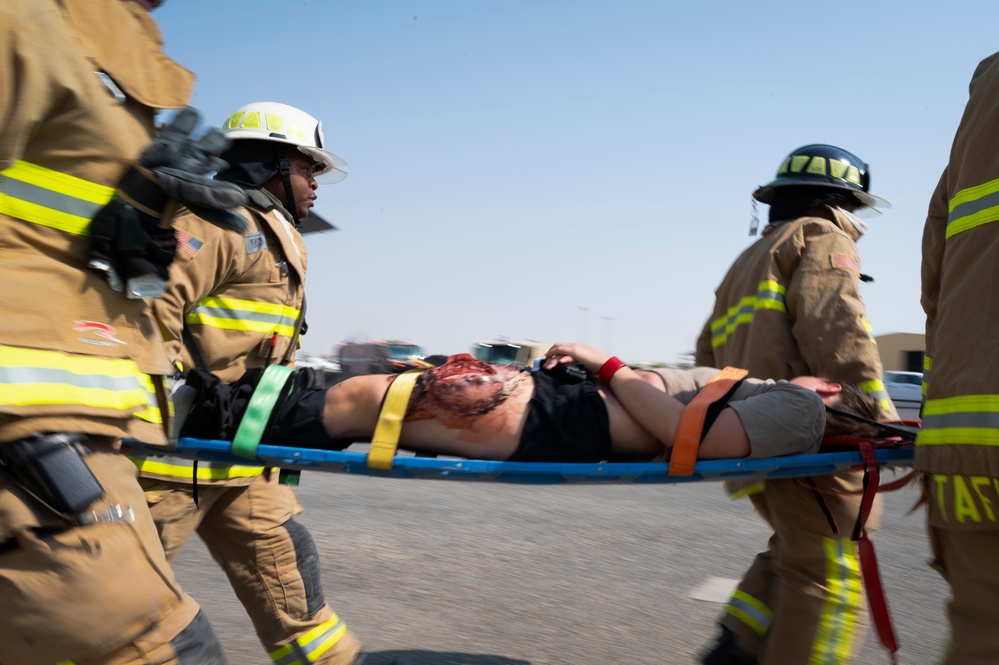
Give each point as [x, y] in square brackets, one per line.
[258, 413]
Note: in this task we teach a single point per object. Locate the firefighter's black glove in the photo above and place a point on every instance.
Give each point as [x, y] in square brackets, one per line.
[176, 167]
[131, 239]
[132, 249]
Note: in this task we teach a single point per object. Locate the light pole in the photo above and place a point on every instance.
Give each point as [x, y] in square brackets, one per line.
[608, 330]
[581, 328]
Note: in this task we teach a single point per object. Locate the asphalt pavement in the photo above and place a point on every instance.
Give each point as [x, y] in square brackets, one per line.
[443, 572]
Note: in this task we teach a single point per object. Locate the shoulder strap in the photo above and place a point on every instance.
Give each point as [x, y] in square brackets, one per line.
[192, 347]
[300, 328]
[690, 430]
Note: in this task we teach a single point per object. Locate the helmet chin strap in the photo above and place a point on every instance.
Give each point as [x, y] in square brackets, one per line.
[284, 168]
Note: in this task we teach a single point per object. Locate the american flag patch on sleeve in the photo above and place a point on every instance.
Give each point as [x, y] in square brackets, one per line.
[187, 243]
[845, 261]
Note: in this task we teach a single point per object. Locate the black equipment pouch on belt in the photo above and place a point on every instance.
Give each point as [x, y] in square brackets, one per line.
[51, 466]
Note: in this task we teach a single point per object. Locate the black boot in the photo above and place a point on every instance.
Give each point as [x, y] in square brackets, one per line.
[726, 652]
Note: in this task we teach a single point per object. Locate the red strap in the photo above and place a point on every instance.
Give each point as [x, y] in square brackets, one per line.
[689, 429]
[869, 572]
[868, 559]
[876, 597]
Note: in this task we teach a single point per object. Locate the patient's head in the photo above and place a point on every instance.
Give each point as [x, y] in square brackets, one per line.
[846, 397]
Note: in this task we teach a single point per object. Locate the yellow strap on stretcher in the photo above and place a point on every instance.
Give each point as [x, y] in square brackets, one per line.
[386, 438]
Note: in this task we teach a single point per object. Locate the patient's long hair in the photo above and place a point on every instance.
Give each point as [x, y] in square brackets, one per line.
[864, 408]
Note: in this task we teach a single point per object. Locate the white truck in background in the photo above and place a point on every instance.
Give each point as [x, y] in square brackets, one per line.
[521, 353]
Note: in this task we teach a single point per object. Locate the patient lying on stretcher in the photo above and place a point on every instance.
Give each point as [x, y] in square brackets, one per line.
[467, 408]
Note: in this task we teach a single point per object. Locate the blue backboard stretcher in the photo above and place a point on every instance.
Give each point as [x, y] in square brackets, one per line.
[448, 468]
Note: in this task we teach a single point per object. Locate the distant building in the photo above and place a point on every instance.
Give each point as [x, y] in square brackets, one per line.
[902, 351]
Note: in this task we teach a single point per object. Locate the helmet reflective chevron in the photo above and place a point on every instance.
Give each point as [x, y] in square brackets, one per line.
[826, 166]
[280, 123]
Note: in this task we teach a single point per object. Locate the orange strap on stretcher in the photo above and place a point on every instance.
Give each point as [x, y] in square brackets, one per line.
[690, 428]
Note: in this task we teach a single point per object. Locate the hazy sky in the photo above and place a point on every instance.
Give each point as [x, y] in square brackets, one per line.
[560, 170]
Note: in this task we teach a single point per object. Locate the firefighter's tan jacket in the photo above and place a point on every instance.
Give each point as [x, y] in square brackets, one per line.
[960, 294]
[241, 297]
[790, 306]
[74, 356]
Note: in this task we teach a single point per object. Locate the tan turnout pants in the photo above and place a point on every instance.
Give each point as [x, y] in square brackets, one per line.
[802, 598]
[269, 558]
[967, 561]
[101, 593]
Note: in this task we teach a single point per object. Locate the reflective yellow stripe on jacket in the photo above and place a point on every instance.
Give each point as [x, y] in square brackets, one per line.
[246, 315]
[33, 377]
[876, 389]
[966, 420]
[972, 207]
[43, 196]
[183, 469]
[769, 295]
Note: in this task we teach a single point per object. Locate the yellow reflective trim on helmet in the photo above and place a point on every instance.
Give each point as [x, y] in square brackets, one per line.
[233, 120]
[817, 166]
[295, 130]
[853, 175]
[784, 165]
[798, 162]
[837, 168]
[251, 121]
[274, 121]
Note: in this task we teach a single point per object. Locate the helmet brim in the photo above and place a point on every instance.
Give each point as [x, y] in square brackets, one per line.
[765, 193]
[330, 168]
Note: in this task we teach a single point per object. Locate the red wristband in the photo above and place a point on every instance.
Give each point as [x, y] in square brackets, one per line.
[610, 368]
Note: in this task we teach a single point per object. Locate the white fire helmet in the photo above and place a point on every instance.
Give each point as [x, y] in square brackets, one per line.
[271, 121]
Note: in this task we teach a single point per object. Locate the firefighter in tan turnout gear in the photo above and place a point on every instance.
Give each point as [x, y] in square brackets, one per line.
[957, 449]
[790, 305]
[85, 228]
[241, 300]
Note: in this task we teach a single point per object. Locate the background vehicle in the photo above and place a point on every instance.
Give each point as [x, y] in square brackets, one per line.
[380, 357]
[509, 352]
[906, 391]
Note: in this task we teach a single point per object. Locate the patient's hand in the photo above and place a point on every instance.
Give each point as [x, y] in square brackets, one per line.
[585, 355]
